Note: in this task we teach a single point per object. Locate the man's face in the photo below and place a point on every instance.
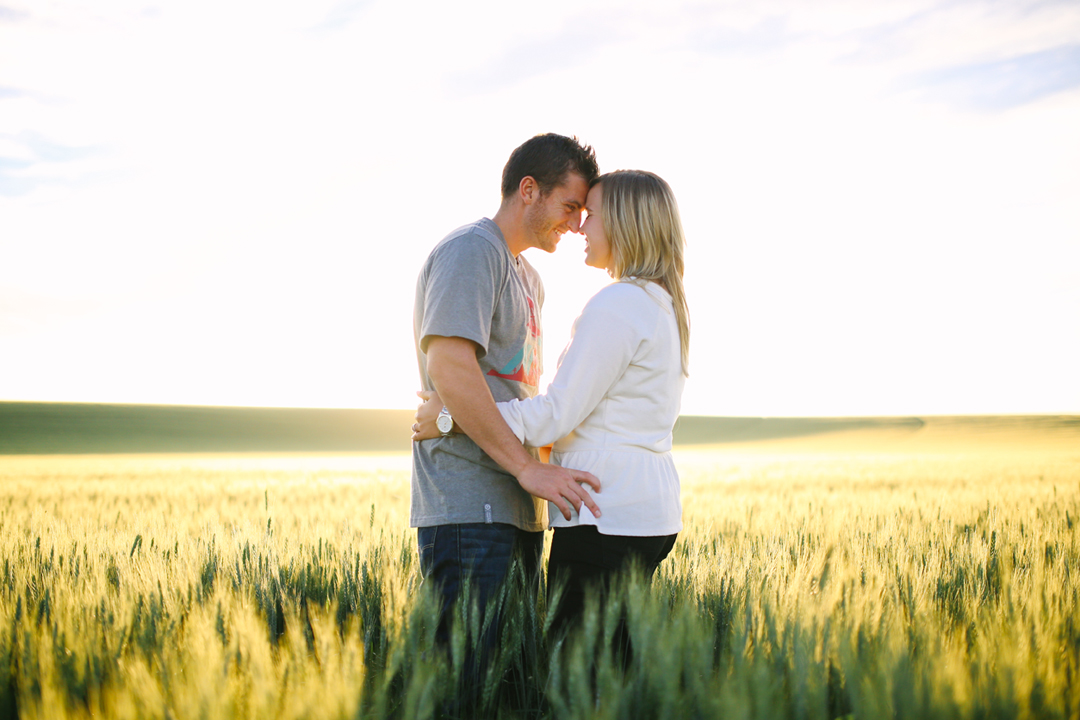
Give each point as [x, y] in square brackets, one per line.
[556, 213]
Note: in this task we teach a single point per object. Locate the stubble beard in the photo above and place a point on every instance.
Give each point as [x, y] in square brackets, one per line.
[543, 234]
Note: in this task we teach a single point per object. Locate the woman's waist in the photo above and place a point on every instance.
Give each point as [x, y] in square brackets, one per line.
[639, 495]
[630, 463]
[583, 441]
[618, 455]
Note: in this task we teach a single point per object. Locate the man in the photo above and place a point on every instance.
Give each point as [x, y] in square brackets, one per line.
[478, 496]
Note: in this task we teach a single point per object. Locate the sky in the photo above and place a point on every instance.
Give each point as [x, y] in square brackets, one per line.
[228, 202]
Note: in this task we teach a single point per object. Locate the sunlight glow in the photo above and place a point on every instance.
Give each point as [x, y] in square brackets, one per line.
[209, 203]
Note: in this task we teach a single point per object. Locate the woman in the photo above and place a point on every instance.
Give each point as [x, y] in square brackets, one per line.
[613, 403]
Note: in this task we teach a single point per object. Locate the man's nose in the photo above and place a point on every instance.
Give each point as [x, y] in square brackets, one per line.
[575, 222]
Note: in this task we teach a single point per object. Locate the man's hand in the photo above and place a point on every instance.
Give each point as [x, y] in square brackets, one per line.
[426, 413]
[560, 485]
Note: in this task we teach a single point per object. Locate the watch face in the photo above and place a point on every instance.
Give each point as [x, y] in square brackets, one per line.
[445, 423]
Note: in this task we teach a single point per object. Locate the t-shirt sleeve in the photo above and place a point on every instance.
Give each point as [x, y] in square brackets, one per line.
[602, 345]
[461, 292]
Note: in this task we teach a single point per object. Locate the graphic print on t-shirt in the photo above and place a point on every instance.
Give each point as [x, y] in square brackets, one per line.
[525, 365]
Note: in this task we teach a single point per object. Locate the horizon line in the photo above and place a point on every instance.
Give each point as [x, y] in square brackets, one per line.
[681, 415]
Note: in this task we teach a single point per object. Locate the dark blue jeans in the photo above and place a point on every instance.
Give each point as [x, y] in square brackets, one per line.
[478, 553]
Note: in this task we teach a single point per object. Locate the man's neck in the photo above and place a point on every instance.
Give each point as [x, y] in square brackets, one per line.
[510, 220]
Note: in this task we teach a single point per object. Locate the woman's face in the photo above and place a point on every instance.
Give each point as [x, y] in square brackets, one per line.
[597, 248]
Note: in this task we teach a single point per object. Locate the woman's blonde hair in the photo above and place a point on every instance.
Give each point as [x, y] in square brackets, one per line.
[641, 222]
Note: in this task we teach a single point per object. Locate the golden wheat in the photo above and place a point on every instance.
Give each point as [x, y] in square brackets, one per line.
[931, 581]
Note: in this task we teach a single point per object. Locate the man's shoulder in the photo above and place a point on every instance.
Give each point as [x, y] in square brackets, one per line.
[480, 236]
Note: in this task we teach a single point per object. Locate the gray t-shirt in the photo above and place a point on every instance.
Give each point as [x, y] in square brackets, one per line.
[472, 287]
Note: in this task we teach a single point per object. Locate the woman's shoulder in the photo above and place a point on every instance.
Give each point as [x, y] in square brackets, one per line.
[620, 291]
[629, 293]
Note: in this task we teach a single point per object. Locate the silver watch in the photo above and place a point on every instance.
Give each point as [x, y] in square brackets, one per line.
[444, 422]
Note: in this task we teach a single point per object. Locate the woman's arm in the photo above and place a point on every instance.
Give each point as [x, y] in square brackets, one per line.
[452, 363]
[428, 411]
[604, 340]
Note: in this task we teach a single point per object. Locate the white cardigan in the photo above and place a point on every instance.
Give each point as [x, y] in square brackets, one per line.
[611, 408]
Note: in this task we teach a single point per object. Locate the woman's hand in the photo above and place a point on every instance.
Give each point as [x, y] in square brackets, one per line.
[426, 412]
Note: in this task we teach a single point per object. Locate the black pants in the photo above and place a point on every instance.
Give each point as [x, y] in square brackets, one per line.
[582, 558]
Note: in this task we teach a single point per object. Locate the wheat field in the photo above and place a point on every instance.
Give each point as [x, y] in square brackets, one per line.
[856, 576]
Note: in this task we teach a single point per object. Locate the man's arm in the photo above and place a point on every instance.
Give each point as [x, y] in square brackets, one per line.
[452, 366]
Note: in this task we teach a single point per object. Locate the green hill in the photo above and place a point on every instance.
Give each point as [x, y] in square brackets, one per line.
[75, 428]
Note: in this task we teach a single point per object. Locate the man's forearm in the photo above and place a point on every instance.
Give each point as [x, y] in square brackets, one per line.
[460, 383]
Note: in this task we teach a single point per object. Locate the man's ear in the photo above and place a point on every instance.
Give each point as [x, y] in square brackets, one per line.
[528, 190]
